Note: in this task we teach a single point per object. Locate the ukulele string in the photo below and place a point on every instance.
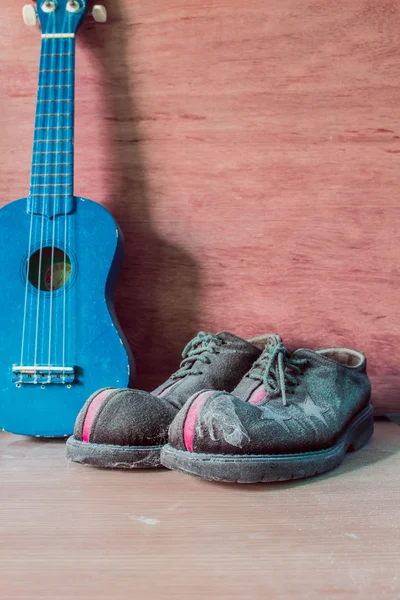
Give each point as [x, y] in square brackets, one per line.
[36, 163]
[58, 165]
[64, 312]
[58, 82]
[51, 291]
[44, 66]
[28, 266]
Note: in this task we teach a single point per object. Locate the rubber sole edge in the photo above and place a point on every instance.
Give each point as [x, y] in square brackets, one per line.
[113, 457]
[273, 467]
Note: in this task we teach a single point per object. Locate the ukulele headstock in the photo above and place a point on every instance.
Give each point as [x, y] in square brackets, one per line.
[61, 16]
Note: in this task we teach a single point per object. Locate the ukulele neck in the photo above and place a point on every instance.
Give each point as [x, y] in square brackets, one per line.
[52, 175]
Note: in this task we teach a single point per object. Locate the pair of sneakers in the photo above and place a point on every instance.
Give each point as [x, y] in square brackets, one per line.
[236, 410]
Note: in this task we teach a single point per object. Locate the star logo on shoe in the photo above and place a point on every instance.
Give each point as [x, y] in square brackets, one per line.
[312, 410]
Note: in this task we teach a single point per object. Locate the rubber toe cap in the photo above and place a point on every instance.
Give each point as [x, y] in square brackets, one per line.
[124, 417]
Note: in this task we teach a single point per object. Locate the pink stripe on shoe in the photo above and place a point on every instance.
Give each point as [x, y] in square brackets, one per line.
[258, 395]
[91, 413]
[191, 418]
[168, 389]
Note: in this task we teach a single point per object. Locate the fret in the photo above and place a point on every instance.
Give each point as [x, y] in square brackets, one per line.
[54, 86]
[58, 152]
[51, 175]
[52, 164]
[55, 115]
[57, 100]
[52, 141]
[49, 195]
[56, 71]
[51, 128]
[51, 184]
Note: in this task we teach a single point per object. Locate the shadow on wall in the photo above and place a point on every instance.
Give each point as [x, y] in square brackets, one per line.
[157, 292]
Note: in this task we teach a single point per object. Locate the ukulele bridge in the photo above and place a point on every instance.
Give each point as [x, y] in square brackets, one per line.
[42, 375]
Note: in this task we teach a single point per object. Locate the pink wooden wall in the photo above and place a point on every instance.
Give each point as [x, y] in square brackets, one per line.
[251, 153]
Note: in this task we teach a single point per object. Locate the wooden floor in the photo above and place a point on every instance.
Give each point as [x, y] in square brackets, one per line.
[70, 532]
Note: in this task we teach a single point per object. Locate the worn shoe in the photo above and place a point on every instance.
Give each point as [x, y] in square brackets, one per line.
[291, 416]
[124, 428]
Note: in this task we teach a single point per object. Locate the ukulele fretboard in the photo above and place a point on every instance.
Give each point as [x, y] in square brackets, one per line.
[51, 189]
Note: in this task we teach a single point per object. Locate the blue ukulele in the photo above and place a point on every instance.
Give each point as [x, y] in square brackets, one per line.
[60, 256]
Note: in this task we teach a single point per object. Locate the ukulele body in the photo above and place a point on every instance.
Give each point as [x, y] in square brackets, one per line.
[71, 338]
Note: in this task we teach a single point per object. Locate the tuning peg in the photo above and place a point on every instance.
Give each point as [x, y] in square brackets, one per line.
[99, 13]
[48, 6]
[29, 14]
[73, 6]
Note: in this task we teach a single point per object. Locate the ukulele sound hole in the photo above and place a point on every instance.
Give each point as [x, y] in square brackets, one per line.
[49, 269]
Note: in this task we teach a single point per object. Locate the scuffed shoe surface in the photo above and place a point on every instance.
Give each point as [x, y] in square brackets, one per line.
[291, 416]
[126, 428]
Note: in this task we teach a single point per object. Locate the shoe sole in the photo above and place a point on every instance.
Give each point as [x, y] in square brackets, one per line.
[113, 457]
[258, 468]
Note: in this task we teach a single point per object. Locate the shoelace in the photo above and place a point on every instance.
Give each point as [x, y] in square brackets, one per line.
[280, 370]
[195, 350]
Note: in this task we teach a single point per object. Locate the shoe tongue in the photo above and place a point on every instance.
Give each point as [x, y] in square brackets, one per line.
[273, 339]
[226, 336]
[269, 339]
[258, 342]
[248, 385]
[314, 357]
[306, 353]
